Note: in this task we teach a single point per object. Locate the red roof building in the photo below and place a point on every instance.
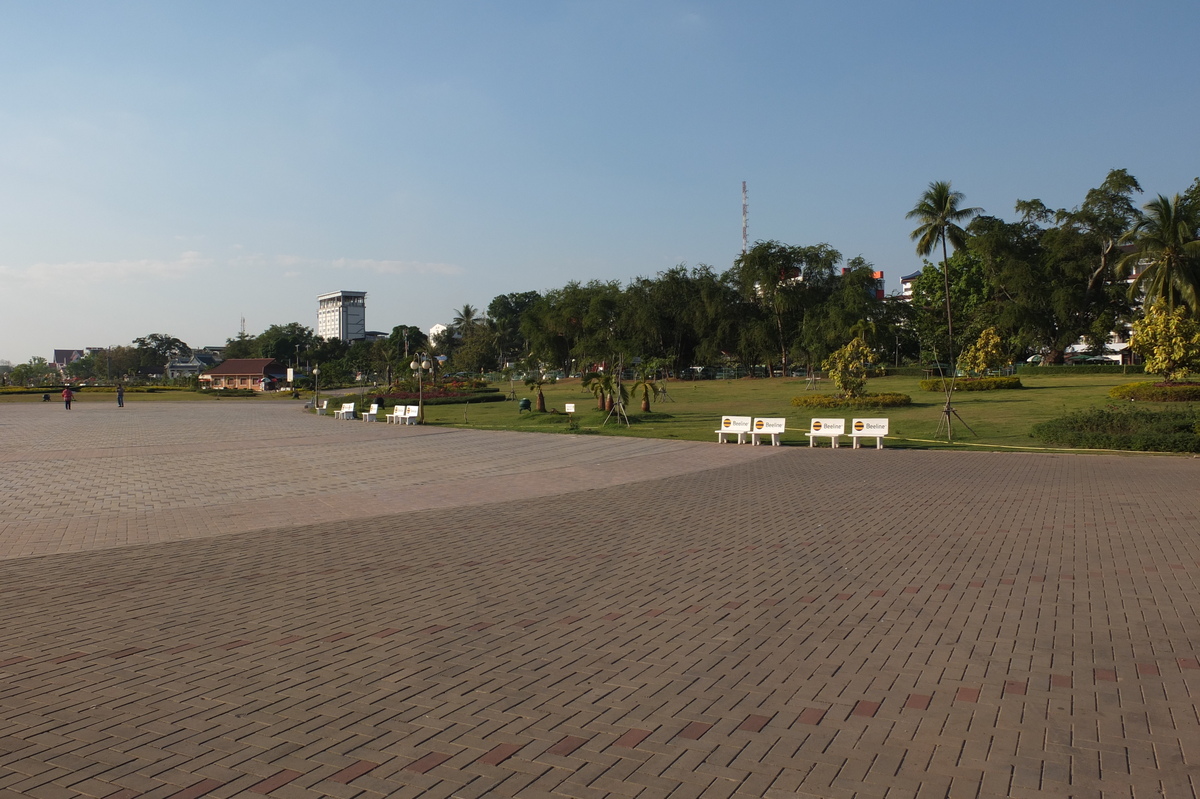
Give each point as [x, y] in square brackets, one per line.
[258, 374]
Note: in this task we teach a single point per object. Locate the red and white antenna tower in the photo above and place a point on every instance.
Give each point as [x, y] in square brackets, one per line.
[745, 221]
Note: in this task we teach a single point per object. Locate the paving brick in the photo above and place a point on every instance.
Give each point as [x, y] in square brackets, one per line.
[216, 612]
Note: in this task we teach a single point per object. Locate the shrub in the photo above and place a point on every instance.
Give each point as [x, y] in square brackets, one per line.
[1136, 429]
[974, 384]
[1157, 392]
[1082, 369]
[866, 401]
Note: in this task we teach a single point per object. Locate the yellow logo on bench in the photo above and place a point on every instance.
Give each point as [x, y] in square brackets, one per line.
[726, 423]
[858, 426]
[758, 424]
[816, 425]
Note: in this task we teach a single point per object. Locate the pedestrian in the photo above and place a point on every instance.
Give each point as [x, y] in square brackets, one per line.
[68, 395]
[120, 396]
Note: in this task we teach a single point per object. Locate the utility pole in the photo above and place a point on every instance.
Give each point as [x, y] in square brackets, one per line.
[745, 221]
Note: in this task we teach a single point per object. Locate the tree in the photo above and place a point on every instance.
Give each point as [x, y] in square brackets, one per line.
[536, 381]
[243, 346]
[847, 367]
[466, 319]
[984, 354]
[775, 278]
[1169, 339]
[506, 311]
[594, 382]
[939, 217]
[156, 350]
[37, 371]
[645, 375]
[1166, 243]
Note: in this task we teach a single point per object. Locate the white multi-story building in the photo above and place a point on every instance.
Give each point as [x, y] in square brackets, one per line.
[342, 314]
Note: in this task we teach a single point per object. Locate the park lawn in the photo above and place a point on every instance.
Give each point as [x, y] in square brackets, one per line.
[1000, 419]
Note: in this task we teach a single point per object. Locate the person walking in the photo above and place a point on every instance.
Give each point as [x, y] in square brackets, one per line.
[68, 395]
[120, 396]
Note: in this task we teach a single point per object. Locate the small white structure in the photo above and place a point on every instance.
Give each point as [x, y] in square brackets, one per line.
[768, 428]
[730, 425]
[821, 428]
[868, 428]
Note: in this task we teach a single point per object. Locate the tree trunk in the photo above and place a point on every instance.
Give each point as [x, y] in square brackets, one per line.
[609, 403]
[600, 402]
[541, 402]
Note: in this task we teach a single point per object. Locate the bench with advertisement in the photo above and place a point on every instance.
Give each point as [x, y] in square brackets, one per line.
[734, 425]
[768, 428]
[869, 428]
[402, 414]
[347, 411]
[826, 428]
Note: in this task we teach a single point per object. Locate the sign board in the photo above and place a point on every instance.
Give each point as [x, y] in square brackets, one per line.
[870, 427]
[570, 406]
[828, 427]
[291, 377]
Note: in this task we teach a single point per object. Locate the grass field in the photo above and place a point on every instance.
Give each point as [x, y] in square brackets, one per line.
[1000, 419]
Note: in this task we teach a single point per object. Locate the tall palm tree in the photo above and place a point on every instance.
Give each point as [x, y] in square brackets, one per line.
[939, 216]
[467, 319]
[1167, 243]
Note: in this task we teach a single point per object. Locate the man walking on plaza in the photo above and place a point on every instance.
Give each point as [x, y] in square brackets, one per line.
[67, 396]
[120, 396]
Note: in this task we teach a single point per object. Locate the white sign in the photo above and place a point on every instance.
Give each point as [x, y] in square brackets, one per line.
[290, 376]
[770, 425]
[570, 406]
[828, 427]
[869, 427]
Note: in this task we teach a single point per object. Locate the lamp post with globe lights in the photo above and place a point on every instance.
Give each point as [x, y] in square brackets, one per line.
[419, 364]
[317, 389]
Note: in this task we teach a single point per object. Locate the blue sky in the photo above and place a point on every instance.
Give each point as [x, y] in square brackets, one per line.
[170, 167]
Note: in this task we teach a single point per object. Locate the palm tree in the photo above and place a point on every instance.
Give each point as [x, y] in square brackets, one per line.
[594, 382]
[468, 318]
[536, 381]
[939, 216]
[645, 375]
[1167, 242]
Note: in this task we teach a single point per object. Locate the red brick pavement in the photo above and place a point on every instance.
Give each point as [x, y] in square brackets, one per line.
[813, 623]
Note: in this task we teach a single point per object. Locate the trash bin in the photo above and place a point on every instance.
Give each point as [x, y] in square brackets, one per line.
[524, 405]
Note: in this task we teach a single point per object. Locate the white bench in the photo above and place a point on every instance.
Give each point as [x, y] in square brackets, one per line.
[347, 411]
[369, 416]
[734, 424]
[869, 428]
[403, 414]
[323, 408]
[826, 428]
[767, 428]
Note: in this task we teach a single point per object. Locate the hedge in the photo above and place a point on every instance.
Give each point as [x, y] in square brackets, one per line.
[1157, 392]
[973, 384]
[1059, 369]
[1135, 429]
[868, 401]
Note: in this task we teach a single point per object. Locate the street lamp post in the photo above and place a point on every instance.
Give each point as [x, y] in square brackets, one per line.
[419, 364]
[316, 388]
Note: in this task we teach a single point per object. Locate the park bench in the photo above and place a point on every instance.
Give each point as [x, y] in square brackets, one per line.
[822, 428]
[347, 411]
[323, 408]
[767, 428]
[370, 416]
[403, 414]
[868, 428]
[731, 425]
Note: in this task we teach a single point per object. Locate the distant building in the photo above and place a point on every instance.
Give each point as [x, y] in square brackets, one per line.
[193, 364]
[436, 331]
[342, 314]
[906, 286]
[258, 374]
[878, 291]
[64, 357]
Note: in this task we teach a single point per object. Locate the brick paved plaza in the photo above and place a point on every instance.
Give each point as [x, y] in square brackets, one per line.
[226, 599]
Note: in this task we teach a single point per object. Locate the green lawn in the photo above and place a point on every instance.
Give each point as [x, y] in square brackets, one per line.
[1000, 418]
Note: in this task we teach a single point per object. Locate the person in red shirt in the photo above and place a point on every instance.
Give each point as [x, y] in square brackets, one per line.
[68, 394]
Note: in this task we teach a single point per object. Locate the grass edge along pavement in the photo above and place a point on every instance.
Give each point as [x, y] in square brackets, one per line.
[1003, 420]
